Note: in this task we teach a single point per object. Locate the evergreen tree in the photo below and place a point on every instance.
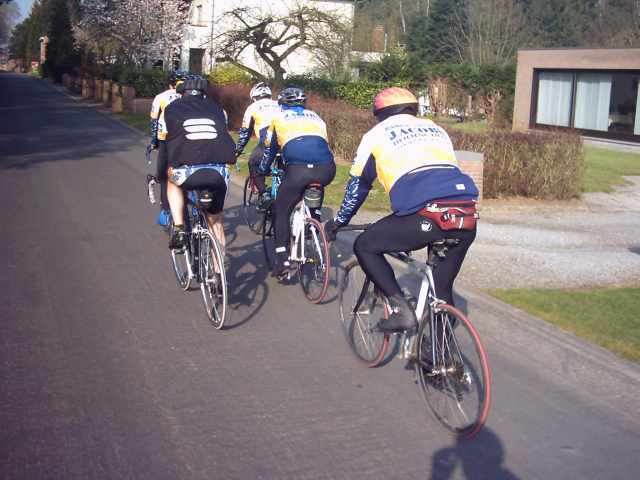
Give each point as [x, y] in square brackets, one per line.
[62, 55]
[434, 38]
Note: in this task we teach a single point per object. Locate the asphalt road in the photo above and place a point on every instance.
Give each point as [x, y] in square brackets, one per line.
[108, 371]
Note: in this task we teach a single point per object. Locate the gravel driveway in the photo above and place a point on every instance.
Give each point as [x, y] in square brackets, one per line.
[594, 241]
[586, 243]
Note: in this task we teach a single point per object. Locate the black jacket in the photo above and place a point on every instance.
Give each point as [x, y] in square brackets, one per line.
[197, 133]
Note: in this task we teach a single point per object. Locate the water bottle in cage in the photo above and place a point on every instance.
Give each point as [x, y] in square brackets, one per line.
[151, 181]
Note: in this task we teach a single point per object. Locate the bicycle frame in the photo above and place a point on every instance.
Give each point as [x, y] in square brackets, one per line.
[298, 220]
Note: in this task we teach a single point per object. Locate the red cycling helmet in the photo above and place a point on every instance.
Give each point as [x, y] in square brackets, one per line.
[393, 100]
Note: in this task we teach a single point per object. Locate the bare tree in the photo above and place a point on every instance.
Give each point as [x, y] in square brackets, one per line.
[618, 25]
[491, 31]
[9, 13]
[273, 38]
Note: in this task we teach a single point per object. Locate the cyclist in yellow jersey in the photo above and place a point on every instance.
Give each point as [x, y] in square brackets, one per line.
[256, 121]
[414, 160]
[300, 135]
[159, 137]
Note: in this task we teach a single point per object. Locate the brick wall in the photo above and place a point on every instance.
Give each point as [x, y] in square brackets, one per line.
[472, 164]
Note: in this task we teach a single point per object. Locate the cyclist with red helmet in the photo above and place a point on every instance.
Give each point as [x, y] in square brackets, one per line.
[413, 159]
[256, 121]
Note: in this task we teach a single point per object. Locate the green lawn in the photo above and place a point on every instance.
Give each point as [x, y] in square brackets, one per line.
[139, 121]
[604, 169]
[608, 317]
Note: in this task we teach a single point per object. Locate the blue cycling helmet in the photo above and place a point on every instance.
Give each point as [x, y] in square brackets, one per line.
[292, 97]
[175, 76]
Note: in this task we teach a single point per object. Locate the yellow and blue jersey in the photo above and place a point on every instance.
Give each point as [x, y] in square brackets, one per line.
[256, 121]
[159, 105]
[414, 161]
[301, 137]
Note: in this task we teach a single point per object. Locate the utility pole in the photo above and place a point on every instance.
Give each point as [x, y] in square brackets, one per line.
[211, 59]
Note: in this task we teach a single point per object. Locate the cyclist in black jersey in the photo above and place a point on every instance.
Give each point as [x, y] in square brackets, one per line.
[199, 150]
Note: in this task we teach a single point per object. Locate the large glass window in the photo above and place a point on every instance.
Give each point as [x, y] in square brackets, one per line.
[554, 98]
[592, 101]
[593, 95]
[636, 130]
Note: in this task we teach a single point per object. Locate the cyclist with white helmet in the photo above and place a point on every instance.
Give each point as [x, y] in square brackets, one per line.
[431, 199]
[256, 121]
[159, 136]
[300, 135]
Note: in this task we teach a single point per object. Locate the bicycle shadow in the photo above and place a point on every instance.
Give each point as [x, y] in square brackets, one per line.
[477, 459]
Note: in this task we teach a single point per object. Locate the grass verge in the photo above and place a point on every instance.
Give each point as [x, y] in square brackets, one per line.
[608, 317]
[139, 121]
[604, 169]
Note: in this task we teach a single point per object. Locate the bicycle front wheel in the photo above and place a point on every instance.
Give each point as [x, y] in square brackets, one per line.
[180, 261]
[250, 201]
[313, 273]
[268, 238]
[361, 308]
[453, 371]
[213, 280]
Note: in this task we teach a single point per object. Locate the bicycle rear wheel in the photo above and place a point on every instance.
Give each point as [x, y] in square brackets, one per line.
[313, 273]
[453, 371]
[268, 238]
[180, 263]
[250, 201]
[361, 308]
[213, 280]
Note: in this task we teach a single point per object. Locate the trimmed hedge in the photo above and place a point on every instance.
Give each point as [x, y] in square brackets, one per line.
[536, 165]
[543, 165]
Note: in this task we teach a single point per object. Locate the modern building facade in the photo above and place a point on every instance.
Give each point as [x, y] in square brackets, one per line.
[207, 22]
[594, 91]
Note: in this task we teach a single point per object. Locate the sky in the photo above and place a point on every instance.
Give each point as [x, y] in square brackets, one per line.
[25, 8]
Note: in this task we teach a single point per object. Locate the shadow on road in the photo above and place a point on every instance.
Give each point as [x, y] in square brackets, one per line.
[246, 273]
[480, 458]
[24, 144]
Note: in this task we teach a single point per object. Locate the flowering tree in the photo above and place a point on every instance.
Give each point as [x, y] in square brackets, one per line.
[136, 31]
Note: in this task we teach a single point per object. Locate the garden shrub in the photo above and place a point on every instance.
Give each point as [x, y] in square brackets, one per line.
[319, 85]
[228, 74]
[234, 99]
[146, 82]
[345, 125]
[536, 165]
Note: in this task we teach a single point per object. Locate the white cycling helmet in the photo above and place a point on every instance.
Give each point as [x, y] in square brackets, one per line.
[260, 90]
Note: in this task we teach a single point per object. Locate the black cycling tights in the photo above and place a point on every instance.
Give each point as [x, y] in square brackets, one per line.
[161, 173]
[254, 163]
[404, 234]
[296, 179]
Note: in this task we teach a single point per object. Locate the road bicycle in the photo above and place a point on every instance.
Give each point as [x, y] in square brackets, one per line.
[202, 260]
[253, 215]
[151, 179]
[250, 202]
[446, 354]
[309, 249]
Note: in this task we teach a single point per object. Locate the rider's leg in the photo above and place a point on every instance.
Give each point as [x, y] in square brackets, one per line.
[214, 182]
[447, 268]
[296, 179]
[393, 234]
[254, 161]
[176, 202]
[161, 173]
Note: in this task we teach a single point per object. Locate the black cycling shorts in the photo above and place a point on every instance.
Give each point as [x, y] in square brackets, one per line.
[211, 180]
